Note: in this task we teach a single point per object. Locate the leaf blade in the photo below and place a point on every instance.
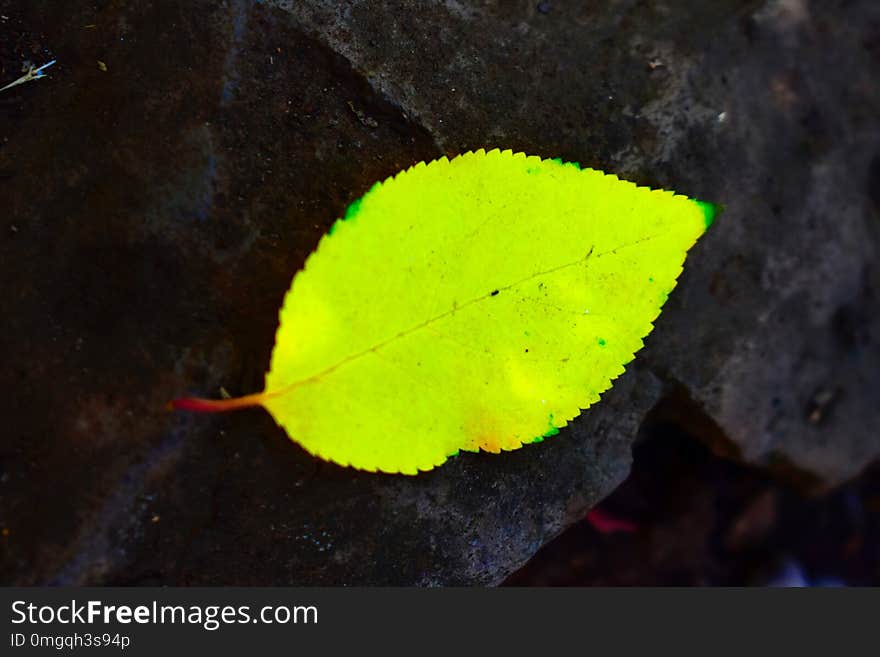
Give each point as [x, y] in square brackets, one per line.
[442, 312]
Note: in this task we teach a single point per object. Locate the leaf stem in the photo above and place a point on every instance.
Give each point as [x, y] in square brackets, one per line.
[199, 405]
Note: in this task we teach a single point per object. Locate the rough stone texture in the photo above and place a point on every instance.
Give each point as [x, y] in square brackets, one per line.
[154, 213]
[770, 108]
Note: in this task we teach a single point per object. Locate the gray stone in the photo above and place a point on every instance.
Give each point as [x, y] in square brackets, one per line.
[769, 108]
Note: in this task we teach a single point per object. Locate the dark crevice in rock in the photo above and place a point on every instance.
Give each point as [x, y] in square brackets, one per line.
[686, 516]
[678, 409]
[678, 412]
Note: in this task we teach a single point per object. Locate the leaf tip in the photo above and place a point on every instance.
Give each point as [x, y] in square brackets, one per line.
[710, 211]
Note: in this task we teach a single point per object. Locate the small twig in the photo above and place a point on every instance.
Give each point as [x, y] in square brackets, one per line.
[32, 74]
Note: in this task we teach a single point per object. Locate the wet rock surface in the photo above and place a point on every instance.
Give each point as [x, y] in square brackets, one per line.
[159, 189]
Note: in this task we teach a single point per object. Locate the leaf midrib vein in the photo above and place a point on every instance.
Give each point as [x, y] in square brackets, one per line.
[421, 325]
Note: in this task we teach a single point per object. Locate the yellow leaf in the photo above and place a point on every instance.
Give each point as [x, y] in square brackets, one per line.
[466, 304]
